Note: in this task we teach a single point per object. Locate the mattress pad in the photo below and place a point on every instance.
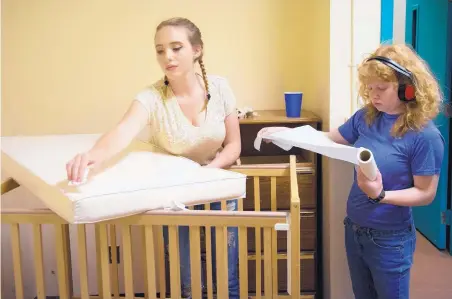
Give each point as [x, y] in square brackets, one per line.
[139, 179]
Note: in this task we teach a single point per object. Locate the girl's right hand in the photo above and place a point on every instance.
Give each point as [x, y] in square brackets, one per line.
[77, 166]
[110, 143]
[268, 131]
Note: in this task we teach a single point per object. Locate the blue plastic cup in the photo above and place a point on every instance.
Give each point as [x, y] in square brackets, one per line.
[293, 103]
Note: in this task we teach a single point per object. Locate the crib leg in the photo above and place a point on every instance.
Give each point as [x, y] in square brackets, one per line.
[17, 260]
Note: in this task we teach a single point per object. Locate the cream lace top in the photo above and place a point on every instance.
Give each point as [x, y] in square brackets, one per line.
[169, 129]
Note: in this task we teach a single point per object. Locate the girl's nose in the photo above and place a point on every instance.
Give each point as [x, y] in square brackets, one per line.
[169, 55]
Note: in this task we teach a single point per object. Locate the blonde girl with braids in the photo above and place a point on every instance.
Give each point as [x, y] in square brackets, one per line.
[187, 114]
[401, 98]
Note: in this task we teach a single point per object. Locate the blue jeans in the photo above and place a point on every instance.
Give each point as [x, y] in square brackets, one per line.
[379, 261]
[232, 248]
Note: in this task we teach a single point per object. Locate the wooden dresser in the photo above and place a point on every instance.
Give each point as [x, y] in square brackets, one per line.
[309, 178]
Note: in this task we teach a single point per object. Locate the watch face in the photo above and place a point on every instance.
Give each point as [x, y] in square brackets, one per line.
[382, 195]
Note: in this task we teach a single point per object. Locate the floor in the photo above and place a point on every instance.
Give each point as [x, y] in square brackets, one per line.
[431, 273]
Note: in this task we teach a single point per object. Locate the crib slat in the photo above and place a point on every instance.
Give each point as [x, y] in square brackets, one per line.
[243, 262]
[83, 261]
[174, 261]
[17, 260]
[268, 278]
[274, 241]
[67, 257]
[257, 194]
[150, 262]
[63, 281]
[114, 261]
[105, 269]
[258, 263]
[240, 204]
[127, 259]
[274, 264]
[161, 260]
[243, 256]
[39, 261]
[208, 242]
[293, 239]
[224, 232]
[257, 207]
[98, 261]
[142, 232]
[273, 201]
[222, 263]
[195, 262]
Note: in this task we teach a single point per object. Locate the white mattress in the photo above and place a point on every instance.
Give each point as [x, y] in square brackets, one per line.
[138, 180]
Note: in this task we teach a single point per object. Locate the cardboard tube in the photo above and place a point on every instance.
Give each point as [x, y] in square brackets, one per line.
[367, 163]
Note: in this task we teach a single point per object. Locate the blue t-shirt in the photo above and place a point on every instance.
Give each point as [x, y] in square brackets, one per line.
[397, 159]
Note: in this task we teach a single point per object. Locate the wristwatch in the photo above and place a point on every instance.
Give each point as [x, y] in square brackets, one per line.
[379, 197]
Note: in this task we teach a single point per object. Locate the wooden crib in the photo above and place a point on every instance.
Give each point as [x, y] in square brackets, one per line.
[118, 276]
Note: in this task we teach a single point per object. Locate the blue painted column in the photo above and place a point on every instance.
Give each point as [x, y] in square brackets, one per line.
[387, 21]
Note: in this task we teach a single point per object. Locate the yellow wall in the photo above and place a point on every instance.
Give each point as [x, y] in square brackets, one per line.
[74, 66]
[306, 52]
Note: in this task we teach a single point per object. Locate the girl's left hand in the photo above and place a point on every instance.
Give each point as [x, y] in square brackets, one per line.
[371, 188]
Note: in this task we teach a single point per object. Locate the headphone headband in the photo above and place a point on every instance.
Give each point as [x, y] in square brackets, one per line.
[394, 65]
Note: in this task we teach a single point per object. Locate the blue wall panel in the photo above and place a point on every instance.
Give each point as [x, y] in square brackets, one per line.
[387, 21]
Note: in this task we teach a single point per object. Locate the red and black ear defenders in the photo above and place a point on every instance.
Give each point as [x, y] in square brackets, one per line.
[406, 90]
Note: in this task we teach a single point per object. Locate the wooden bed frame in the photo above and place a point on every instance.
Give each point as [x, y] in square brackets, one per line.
[151, 234]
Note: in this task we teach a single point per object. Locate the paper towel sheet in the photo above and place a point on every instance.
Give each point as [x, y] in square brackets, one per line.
[308, 138]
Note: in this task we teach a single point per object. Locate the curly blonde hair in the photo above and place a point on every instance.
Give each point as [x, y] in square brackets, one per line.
[427, 90]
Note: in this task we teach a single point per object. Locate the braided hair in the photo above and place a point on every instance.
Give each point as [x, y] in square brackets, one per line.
[195, 38]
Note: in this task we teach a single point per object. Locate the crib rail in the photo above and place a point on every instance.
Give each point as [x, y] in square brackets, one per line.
[154, 266]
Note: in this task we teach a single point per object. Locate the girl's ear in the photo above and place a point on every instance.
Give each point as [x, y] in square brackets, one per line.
[197, 51]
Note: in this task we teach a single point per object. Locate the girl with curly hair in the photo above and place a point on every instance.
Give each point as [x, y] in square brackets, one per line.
[401, 98]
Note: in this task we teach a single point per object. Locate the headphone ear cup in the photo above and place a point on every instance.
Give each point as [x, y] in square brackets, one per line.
[410, 93]
[401, 92]
[406, 92]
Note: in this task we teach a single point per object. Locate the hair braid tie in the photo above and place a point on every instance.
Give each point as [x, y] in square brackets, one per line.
[204, 77]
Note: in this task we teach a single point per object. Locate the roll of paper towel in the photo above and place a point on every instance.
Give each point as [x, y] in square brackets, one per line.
[367, 163]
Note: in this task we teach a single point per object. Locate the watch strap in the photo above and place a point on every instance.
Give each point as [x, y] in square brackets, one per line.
[379, 197]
